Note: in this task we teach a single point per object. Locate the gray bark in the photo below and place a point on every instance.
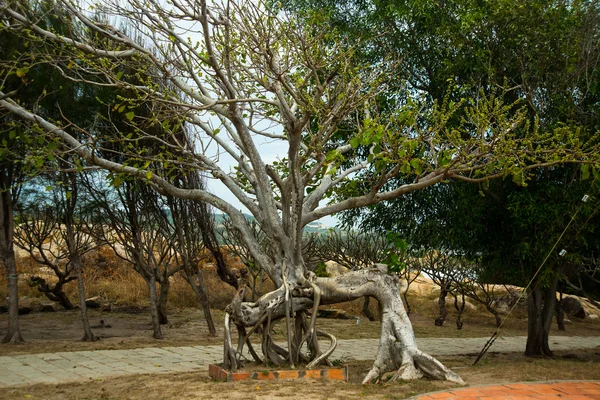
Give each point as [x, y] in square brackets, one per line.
[398, 354]
[7, 256]
[540, 310]
[88, 335]
[163, 296]
[157, 333]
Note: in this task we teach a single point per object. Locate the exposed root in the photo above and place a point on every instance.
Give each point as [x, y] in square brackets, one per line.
[398, 356]
[288, 306]
[324, 356]
[229, 355]
[310, 334]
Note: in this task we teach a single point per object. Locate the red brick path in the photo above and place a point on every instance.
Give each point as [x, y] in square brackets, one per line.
[573, 390]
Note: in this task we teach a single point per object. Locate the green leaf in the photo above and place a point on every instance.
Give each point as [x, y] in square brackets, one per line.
[119, 75]
[122, 108]
[585, 172]
[518, 177]
[354, 142]
[21, 72]
[130, 115]
[149, 175]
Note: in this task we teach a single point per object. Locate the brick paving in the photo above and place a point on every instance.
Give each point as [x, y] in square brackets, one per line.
[572, 390]
[81, 365]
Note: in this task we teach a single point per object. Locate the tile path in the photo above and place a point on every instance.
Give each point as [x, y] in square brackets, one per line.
[572, 390]
[79, 365]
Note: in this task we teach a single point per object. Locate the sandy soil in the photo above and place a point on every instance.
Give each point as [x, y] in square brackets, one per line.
[495, 369]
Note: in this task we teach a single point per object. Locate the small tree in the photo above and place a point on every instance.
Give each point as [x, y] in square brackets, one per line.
[134, 221]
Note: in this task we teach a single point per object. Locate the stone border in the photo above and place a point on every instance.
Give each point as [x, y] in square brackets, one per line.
[220, 374]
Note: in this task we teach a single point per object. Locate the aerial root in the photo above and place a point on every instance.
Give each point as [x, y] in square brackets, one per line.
[303, 332]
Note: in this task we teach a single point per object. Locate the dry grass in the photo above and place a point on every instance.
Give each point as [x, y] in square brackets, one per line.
[116, 283]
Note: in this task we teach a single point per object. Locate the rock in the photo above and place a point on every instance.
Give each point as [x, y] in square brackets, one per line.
[48, 308]
[27, 305]
[335, 314]
[506, 302]
[572, 307]
[93, 302]
[25, 310]
[334, 269]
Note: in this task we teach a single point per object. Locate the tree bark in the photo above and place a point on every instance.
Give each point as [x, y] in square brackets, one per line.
[151, 282]
[54, 293]
[405, 297]
[398, 354]
[200, 291]
[88, 335]
[540, 310]
[495, 313]
[14, 329]
[7, 256]
[365, 309]
[459, 309]
[439, 321]
[560, 314]
[163, 297]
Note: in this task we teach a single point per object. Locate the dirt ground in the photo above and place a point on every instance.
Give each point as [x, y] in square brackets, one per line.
[61, 330]
[494, 369]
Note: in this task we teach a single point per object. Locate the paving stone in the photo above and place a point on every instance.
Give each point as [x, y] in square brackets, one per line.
[81, 365]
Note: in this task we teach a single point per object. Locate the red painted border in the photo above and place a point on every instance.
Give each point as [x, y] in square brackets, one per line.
[219, 374]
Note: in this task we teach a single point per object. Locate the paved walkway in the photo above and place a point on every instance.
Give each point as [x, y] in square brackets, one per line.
[572, 390]
[78, 365]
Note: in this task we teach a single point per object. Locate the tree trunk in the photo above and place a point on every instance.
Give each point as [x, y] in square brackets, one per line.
[14, 330]
[163, 296]
[151, 282]
[439, 321]
[198, 287]
[200, 290]
[365, 309]
[540, 310]
[88, 335]
[398, 353]
[62, 298]
[560, 314]
[495, 313]
[405, 296]
[54, 293]
[459, 310]
[7, 257]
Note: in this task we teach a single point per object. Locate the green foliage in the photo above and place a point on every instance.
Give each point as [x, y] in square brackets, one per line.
[321, 270]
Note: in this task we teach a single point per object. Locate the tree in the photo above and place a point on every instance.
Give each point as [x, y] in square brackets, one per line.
[39, 233]
[249, 70]
[11, 175]
[193, 240]
[136, 226]
[545, 51]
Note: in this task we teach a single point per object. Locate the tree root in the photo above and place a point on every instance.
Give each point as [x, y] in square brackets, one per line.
[398, 356]
[303, 332]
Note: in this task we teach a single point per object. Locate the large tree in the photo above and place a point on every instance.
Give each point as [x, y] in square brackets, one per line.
[248, 75]
[545, 51]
